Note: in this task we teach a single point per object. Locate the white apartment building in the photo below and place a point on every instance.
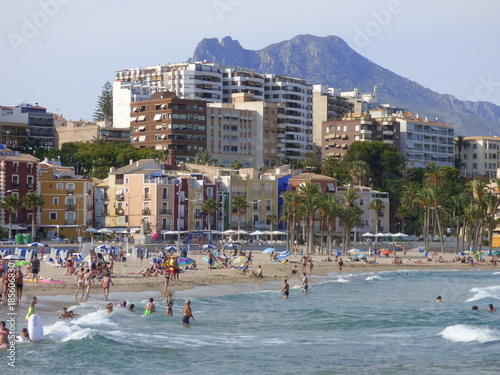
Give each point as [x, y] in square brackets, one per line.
[296, 94]
[423, 141]
[480, 157]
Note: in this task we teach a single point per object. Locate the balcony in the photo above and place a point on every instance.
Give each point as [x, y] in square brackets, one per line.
[119, 211]
[165, 212]
[70, 190]
[198, 215]
[146, 197]
[70, 221]
[146, 211]
[70, 206]
[15, 186]
[120, 197]
[105, 197]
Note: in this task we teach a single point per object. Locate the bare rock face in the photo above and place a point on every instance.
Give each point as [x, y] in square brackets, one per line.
[329, 60]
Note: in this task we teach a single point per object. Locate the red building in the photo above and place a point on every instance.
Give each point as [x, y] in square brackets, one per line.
[17, 177]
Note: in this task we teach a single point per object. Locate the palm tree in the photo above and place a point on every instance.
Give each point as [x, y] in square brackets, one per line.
[204, 157]
[402, 213]
[492, 202]
[377, 205]
[359, 172]
[438, 198]
[328, 165]
[33, 201]
[240, 205]
[330, 209]
[236, 165]
[210, 206]
[11, 204]
[349, 216]
[272, 218]
[291, 203]
[435, 176]
[460, 144]
[310, 199]
[425, 201]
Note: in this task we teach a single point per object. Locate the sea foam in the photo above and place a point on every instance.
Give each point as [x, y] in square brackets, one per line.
[467, 333]
[485, 292]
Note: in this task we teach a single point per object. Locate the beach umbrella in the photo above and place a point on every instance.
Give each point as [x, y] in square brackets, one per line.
[37, 244]
[229, 231]
[91, 230]
[354, 251]
[399, 234]
[283, 254]
[256, 233]
[240, 259]
[104, 247]
[495, 253]
[461, 253]
[105, 231]
[21, 263]
[241, 231]
[207, 247]
[361, 256]
[268, 250]
[170, 248]
[367, 234]
[278, 232]
[386, 252]
[231, 246]
[185, 261]
[13, 257]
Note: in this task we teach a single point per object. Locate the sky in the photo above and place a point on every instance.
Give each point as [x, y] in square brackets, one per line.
[60, 53]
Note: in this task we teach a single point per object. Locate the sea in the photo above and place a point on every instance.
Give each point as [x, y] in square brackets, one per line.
[360, 323]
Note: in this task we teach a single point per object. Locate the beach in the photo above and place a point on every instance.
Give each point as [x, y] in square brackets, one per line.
[128, 278]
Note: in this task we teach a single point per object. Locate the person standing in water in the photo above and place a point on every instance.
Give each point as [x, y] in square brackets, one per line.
[186, 312]
[170, 303]
[305, 283]
[286, 289]
[150, 307]
[87, 282]
[31, 308]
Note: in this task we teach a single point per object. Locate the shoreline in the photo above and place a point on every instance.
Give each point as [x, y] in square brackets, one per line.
[128, 283]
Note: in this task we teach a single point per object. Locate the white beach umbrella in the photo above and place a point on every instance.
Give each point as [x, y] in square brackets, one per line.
[367, 234]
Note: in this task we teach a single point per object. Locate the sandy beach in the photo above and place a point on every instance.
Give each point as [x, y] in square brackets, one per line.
[128, 279]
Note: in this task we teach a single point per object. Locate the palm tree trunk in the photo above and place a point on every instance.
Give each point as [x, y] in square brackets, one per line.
[439, 230]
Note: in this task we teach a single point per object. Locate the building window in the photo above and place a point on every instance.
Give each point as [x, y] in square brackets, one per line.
[165, 193]
[59, 186]
[53, 216]
[55, 201]
[210, 193]
[361, 202]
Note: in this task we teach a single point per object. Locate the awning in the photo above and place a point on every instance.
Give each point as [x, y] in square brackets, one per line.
[142, 138]
[331, 187]
[119, 191]
[141, 128]
[141, 118]
[133, 119]
[157, 117]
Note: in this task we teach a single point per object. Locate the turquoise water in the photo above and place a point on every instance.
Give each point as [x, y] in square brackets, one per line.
[372, 323]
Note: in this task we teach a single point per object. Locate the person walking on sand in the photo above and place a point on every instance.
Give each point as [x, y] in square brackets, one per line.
[80, 282]
[105, 284]
[286, 289]
[35, 268]
[305, 283]
[211, 260]
[87, 282]
[186, 312]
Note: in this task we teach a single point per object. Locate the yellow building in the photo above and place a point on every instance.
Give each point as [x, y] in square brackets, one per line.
[68, 198]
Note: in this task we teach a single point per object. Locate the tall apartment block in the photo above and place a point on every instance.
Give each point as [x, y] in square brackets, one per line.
[328, 105]
[297, 97]
[166, 122]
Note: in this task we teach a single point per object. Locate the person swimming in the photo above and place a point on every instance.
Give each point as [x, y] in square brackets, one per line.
[131, 307]
[491, 308]
[439, 299]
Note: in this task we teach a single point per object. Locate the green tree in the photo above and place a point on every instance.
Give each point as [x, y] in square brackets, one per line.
[11, 204]
[240, 205]
[359, 172]
[460, 144]
[236, 165]
[273, 219]
[330, 210]
[32, 202]
[104, 108]
[210, 206]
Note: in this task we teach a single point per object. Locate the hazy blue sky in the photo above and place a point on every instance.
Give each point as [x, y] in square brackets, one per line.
[59, 53]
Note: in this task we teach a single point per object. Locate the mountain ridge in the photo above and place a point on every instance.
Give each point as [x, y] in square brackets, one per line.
[331, 61]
